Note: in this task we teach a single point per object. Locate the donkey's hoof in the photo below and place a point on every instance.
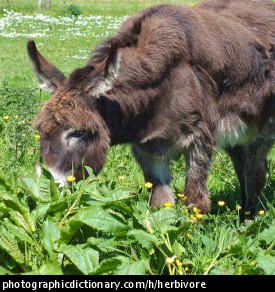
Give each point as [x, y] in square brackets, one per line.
[162, 195]
[203, 203]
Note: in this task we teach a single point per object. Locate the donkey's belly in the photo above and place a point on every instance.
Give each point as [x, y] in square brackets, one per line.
[233, 131]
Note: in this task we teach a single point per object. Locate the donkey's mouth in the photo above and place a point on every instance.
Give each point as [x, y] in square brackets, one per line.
[59, 178]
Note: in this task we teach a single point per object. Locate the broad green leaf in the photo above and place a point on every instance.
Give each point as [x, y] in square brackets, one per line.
[209, 243]
[22, 236]
[141, 214]
[221, 271]
[268, 235]
[132, 268]
[267, 263]
[49, 268]
[103, 244]
[39, 188]
[118, 195]
[84, 259]
[178, 249]
[4, 271]
[51, 233]
[145, 239]
[21, 221]
[20, 214]
[40, 211]
[95, 217]
[163, 219]
[107, 266]
[10, 245]
[112, 196]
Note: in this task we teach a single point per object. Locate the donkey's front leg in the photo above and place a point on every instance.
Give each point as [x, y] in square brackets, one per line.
[198, 158]
[156, 171]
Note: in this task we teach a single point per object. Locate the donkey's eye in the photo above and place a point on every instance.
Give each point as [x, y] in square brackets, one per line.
[77, 134]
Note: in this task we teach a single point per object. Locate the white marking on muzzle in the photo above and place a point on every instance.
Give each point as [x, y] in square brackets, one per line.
[59, 178]
[38, 169]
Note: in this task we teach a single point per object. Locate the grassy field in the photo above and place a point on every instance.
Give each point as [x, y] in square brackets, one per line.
[104, 225]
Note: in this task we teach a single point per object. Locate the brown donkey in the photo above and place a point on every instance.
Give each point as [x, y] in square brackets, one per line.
[174, 80]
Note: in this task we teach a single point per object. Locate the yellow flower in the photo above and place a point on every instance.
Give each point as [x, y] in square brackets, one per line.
[196, 210]
[6, 118]
[187, 235]
[16, 116]
[148, 185]
[37, 137]
[168, 204]
[70, 178]
[121, 177]
[261, 212]
[238, 207]
[247, 213]
[199, 216]
[221, 203]
[18, 191]
[192, 218]
[181, 195]
[186, 269]
[179, 263]
[170, 261]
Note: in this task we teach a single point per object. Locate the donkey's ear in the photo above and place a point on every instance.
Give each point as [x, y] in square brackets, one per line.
[112, 60]
[49, 76]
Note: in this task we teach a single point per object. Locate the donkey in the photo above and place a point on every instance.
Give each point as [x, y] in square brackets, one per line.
[174, 80]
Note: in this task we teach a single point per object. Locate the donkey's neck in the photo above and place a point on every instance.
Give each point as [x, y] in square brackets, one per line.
[126, 117]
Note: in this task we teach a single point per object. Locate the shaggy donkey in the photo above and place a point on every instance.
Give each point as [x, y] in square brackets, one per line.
[174, 80]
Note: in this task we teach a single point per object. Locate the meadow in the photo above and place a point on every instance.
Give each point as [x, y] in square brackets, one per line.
[103, 225]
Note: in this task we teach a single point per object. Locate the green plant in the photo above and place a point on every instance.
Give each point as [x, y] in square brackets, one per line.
[73, 10]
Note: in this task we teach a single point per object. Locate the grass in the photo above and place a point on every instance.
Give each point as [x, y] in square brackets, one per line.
[45, 230]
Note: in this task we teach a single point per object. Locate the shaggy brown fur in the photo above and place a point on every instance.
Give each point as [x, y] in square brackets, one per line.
[174, 80]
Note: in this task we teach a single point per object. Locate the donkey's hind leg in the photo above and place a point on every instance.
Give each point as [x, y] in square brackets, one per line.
[156, 171]
[198, 159]
[255, 172]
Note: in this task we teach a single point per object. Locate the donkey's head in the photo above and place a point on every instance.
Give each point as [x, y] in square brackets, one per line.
[72, 132]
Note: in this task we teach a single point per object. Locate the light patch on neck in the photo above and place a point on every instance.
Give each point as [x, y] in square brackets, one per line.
[107, 84]
[231, 131]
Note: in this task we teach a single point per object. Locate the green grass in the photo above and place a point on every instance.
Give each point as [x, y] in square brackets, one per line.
[46, 230]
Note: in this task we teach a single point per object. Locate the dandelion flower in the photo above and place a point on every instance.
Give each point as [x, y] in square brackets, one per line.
[221, 203]
[18, 191]
[37, 137]
[148, 185]
[168, 204]
[192, 218]
[238, 207]
[170, 261]
[187, 235]
[261, 212]
[70, 178]
[121, 177]
[247, 213]
[179, 263]
[186, 269]
[196, 210]
[199, 216]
